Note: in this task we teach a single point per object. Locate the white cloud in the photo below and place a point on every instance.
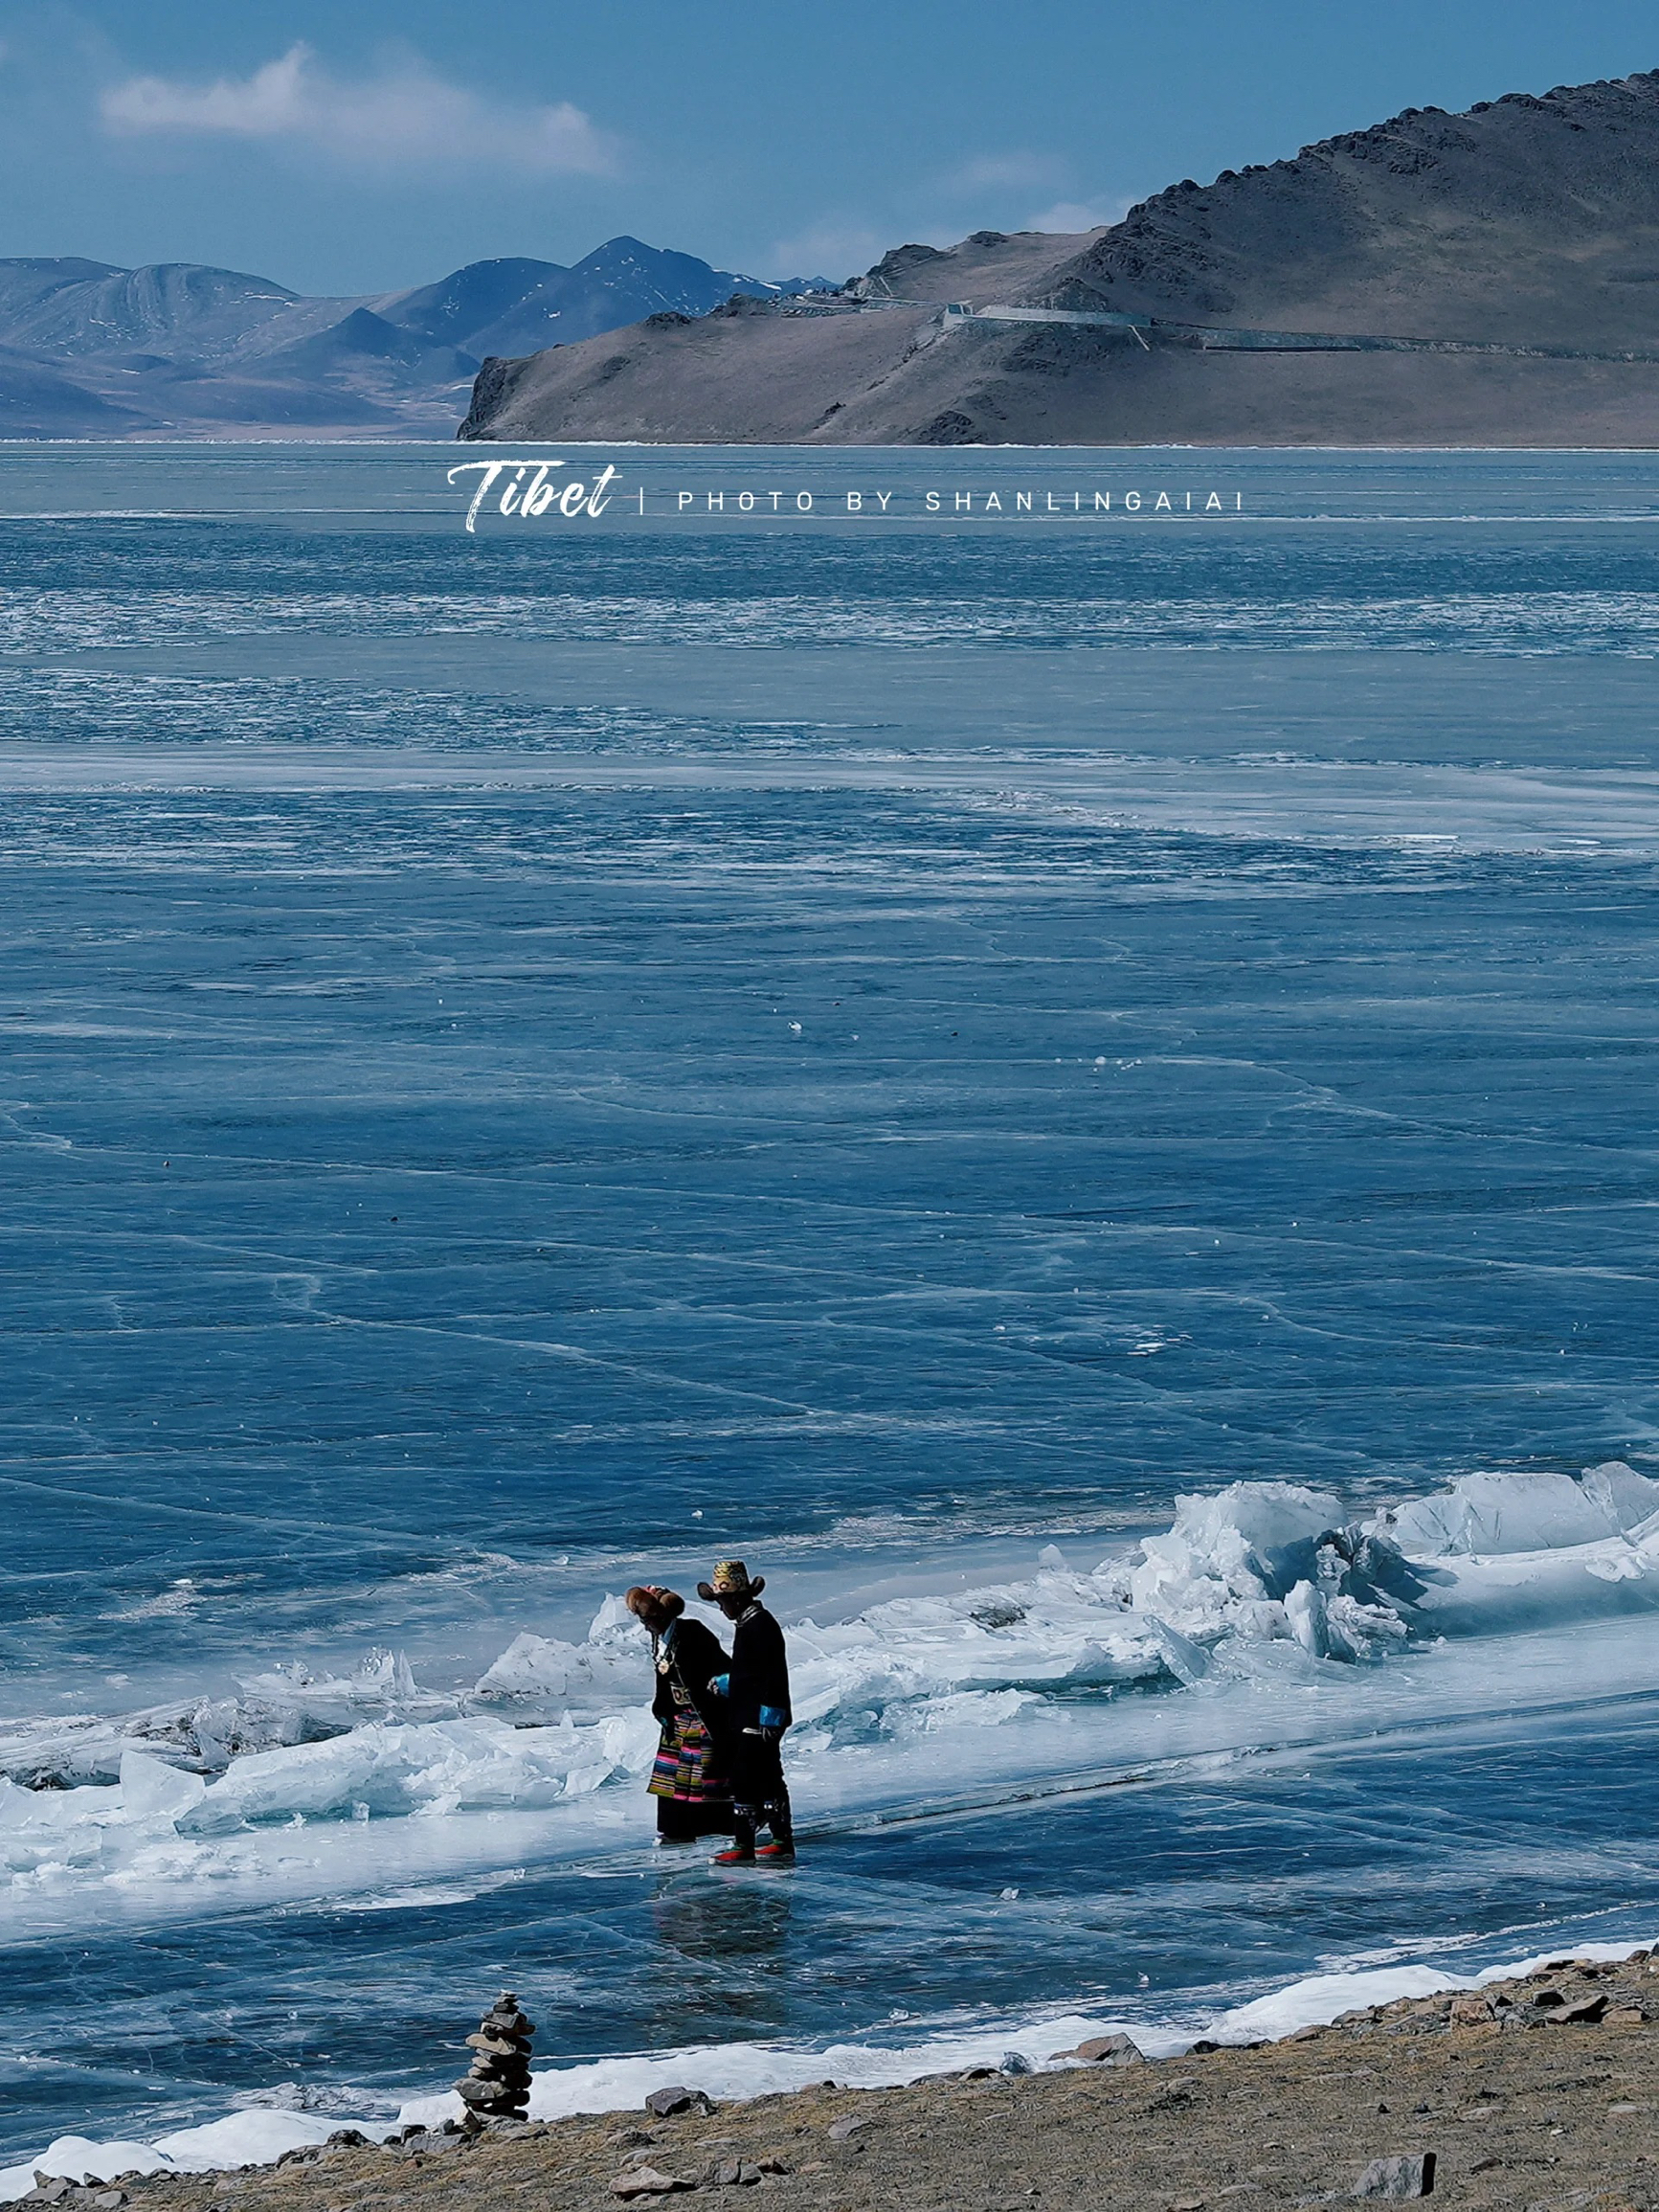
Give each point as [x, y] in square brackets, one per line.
[829, 249]
[1080, 215]
[403, 114]
[1020, 171]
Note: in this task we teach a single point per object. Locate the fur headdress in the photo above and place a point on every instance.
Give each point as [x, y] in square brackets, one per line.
[651, 1597]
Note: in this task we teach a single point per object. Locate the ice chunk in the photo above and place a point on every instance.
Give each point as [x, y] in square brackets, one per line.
[1251, 1540]
[1355, 1631]
[150, 1790]
[1486, 1515]
[441, 1766]
[1501, 1592]
[540, 1675]
[967, 1708]
[1184, 1659]
[1629, 1500]
[536, 1665]
[1625, 1564]
[612, 1621]
[1305, 1610]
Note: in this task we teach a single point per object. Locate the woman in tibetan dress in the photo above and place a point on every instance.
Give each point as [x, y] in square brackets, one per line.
[689, 1779]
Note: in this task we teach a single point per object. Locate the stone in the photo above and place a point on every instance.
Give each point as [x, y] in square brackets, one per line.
[1627, 2016]
[1119, 2050]
[476, 2092]
[110, 2199]
[1398, 2179]
[1015, 2063]
[50, 2188]
[1470, 2012]
[748, 2176]
[346, 2139]
[725, 2174]
[1587, 2013]
[1545, 1999]
[771, 2163]
[667, 2103]
[647, 2182]
[843, 2130]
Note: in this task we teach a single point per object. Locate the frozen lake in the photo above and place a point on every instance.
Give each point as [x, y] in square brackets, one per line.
[537, 1059]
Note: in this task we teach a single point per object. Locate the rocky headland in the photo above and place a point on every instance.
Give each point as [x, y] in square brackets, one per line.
[1536, 2093]
[1489, 278]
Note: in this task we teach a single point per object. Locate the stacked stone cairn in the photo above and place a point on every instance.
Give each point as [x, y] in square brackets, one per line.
[499, 2085]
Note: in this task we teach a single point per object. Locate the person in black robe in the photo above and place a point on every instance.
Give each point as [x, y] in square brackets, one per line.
[754, 1692]
[689, 1777]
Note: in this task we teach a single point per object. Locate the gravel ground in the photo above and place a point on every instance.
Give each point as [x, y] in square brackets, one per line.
[1534, 2094]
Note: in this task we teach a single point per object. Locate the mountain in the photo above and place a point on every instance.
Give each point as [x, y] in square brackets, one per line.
[365, 341]
[176, 307]
[89, 349]
[504, 306]
[1484, 278]
[31, 394]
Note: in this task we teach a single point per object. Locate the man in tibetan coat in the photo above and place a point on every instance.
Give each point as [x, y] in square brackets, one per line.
[754, 1692]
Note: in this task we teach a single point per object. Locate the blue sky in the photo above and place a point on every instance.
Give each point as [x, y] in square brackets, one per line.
[353, 147]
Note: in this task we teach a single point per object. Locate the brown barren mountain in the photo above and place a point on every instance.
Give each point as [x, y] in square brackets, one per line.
[1508, 256]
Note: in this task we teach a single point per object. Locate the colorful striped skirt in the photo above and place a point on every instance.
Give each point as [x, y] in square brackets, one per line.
[694, 1796]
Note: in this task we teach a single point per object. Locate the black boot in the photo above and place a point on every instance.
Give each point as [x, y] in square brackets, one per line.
[781, 1847]
[741, 1850]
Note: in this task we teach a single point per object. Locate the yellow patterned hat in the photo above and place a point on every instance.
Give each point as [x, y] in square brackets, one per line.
[731, 1580]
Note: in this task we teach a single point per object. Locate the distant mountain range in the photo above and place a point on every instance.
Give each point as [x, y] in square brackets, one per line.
[91, 350]
[1489, 278]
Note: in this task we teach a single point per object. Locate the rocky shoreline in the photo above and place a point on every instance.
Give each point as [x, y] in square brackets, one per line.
[1528, 2095]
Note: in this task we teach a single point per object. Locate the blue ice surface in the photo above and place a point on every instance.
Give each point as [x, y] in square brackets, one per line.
[532, 1055]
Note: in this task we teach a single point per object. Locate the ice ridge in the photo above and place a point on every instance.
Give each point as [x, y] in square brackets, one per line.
[1257, 1584]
